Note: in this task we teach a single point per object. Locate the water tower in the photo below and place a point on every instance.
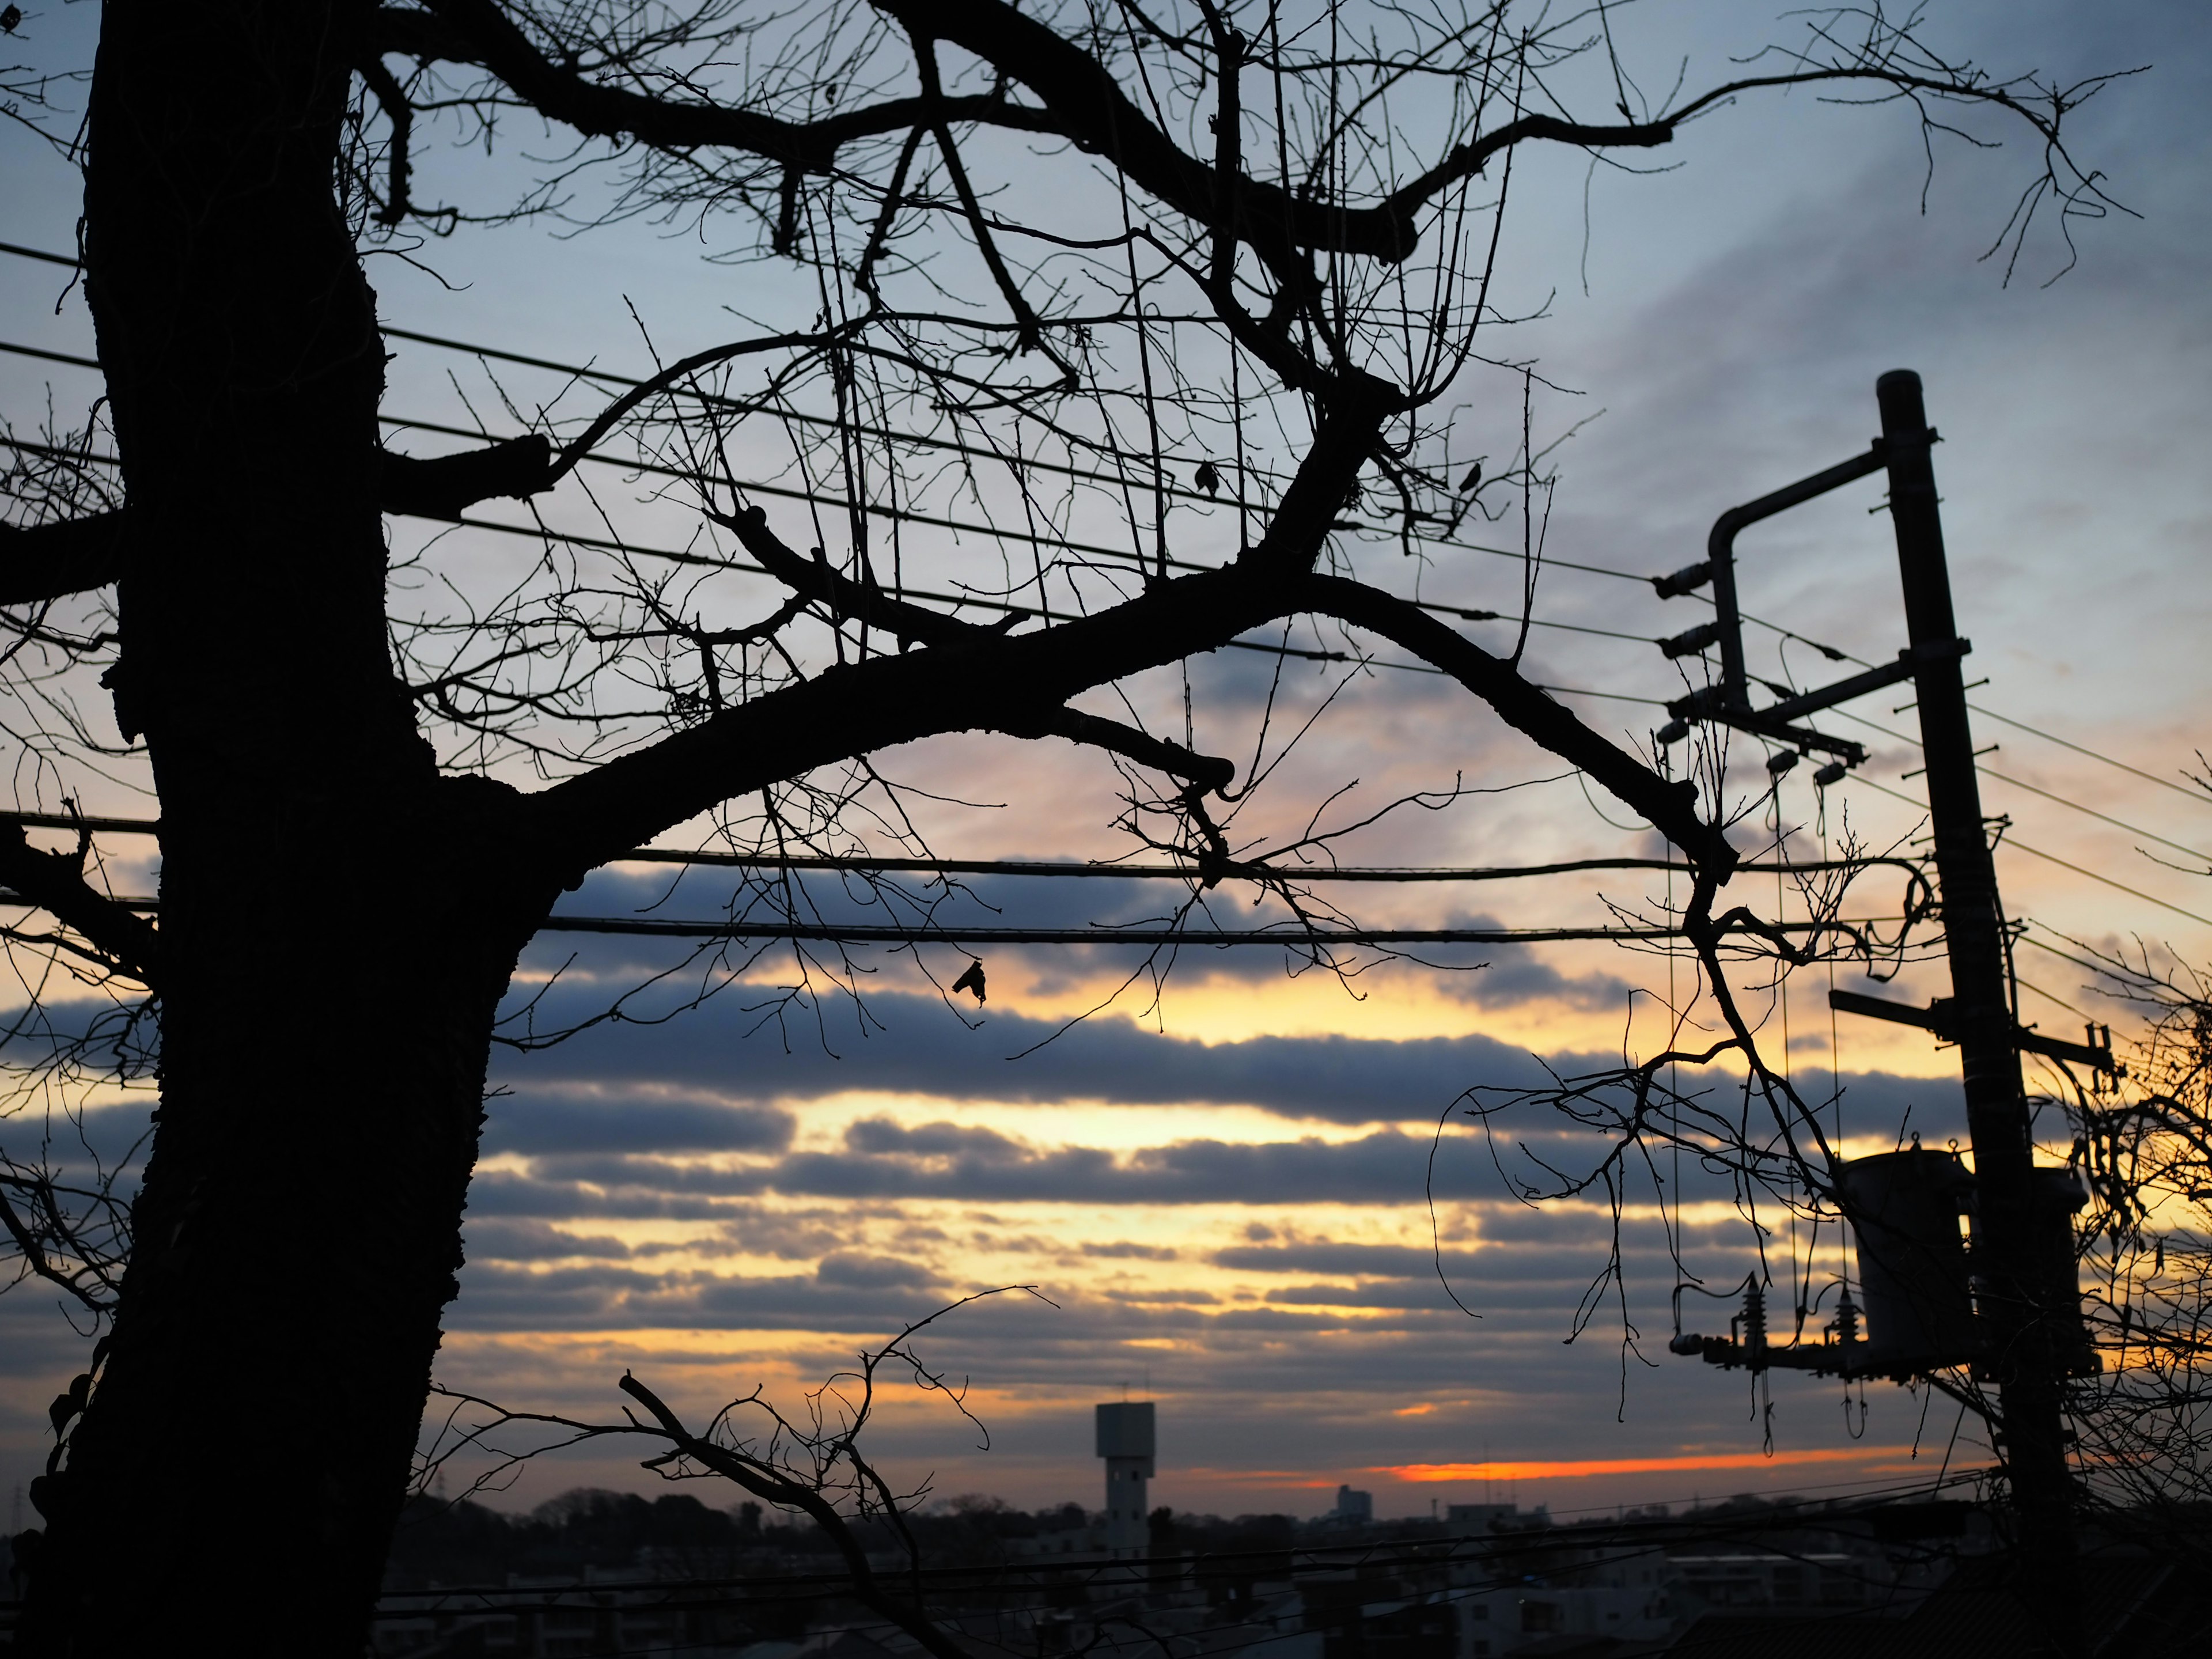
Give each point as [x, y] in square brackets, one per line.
[1126, 1441]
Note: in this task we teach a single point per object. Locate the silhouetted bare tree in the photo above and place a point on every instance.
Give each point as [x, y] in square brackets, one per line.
[1110, 276]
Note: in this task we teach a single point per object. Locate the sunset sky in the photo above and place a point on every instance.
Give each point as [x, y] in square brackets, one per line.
[1222, 1193]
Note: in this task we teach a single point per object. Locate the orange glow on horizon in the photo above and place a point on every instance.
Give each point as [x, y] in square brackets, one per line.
[1572, 1470]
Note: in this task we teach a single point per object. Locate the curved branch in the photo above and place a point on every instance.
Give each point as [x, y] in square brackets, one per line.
[774, 1486]
[1466, 160]
[397, 202]
[866, 603]
[1094, 111]
[1669, 807]
[986, 681]
[1081, 102]
[479, 31]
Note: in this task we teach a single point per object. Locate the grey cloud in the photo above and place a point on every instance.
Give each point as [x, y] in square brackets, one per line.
[885, 1161]
[500, 1297]
[1384, 1166]
[617, 1120]
[530, 1240]
[1366, 1260]
[880, 1136]
[1517, 976]
[925, 1051]
[503, 1193]
[860, 1270]
[1125, 1251]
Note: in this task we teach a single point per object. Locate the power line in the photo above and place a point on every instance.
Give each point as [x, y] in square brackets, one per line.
[1060, 868]
[1115, 480]
[2132, 892]
[836, 503]
[36, 253]
[2014, 842]
[654, 926]
[2063, 800]
[2200, 797]
[1231, 871]
[610, 377]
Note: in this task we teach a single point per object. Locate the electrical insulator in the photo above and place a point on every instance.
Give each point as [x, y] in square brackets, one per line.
[1782, 762]
[1672, 732]
[1687, 579]
[1690, 643]
[1831, 773]
[1754, 1321]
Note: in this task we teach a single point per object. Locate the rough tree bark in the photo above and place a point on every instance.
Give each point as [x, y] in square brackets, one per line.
[330, 960]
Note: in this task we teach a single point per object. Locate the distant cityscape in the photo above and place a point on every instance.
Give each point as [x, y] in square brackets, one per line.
[601, 1573]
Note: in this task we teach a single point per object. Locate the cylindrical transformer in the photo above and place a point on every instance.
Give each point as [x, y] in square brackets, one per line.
[2059, 1195]
[1914, 1296]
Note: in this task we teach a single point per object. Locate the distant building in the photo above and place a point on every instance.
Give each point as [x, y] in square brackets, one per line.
[1477, 1517]
[1126, 1441]
[1763, 1579]
[1353, 1505]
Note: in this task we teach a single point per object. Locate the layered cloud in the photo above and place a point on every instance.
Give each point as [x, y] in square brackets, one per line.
[918, 1048]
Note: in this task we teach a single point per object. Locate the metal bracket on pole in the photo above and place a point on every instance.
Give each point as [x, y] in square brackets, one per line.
[1729, 702]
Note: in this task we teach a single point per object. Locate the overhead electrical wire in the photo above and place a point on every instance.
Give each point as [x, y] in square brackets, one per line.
[2201, 797]
[1042, 868]
[2018, 845]
[1116, 479]
[2016, 783]
[586, 371]
[866, 933]
[1147, 461]
[835, 503]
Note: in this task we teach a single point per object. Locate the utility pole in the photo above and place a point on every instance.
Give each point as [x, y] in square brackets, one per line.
[2024, 1332]
[2020, 1355]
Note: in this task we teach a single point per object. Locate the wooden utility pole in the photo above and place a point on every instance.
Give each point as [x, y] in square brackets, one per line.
[2021, 1354]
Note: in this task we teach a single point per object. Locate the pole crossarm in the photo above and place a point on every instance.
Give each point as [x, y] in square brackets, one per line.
[1940, 1017]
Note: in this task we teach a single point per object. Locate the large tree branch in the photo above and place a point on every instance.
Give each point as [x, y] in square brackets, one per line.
[55, 882]
[1670, 807]
[1093, 109]
[50, 560]
[1470, 158]
[1081, 101]
[1348, 423]
[439, 487]
[866, 603]
[479, 32]
[74, 555]
[992, 681]
[1080, 98]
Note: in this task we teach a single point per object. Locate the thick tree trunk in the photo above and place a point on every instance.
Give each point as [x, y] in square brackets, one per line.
[236, 1480]
[332, 946]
